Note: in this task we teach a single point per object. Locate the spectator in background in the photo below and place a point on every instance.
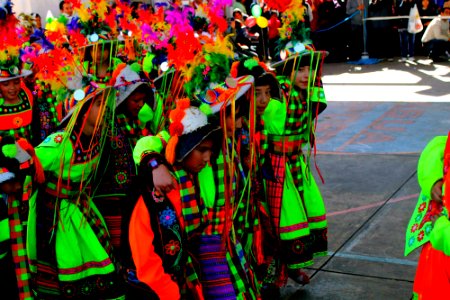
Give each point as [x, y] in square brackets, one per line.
[380, 36]
[239, 5]
[406, 39]
[273, 34]
[329, 37]
[238, 14]
[259, 38]
[427, 8]
[66, 9]
[355, 42]
[308, 14]
[242, 35]
[37, 21]
[436, 36]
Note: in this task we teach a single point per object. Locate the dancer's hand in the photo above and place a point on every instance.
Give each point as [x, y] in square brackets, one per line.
[162, 179]
[436, 191]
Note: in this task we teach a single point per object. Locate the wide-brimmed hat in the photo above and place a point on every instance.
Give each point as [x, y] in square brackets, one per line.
[126, 79]
[260, 71]
[81, 97]
[189, 126]
[222, 95]
[188, 142]
[298, 56]
[13, 73]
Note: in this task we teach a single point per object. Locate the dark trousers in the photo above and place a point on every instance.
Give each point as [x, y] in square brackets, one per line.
[355, 42]
[406, 42]
[437, 48]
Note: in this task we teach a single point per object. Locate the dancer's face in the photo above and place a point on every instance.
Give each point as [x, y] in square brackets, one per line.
[301, 77]
[262, 98]
[199, 157]
[92, 114]
[134, 103]
[10, 89]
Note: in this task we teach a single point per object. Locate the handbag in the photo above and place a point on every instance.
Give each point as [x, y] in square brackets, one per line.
[414, 23]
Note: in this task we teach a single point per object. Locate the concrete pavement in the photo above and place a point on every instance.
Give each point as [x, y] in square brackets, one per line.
[369, 138]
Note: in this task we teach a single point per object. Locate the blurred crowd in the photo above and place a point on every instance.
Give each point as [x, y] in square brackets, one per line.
[337, 26]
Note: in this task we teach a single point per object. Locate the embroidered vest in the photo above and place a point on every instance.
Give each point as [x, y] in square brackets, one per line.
[168, 237]
[16, 119]
[117, 165]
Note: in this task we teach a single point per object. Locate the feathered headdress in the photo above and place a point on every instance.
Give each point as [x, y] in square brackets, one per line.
[12, 37]
[96, 20]
[210, 67]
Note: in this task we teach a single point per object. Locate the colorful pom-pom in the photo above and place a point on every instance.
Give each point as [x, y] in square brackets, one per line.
[9, 150]
[176, 115]
[183, 103]
[206, 109]
[176, 128]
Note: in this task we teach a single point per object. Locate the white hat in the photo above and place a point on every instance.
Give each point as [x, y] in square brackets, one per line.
[127, 81]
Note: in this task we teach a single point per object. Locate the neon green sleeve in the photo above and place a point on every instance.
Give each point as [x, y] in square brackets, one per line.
[318, 96]
[431, 164]
[151, 143]
[50, 151]
[439, 235]
[275, 117]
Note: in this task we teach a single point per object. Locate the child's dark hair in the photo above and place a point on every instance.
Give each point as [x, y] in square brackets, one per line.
[61, 4]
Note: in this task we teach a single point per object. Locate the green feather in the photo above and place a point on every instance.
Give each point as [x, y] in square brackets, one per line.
[147, 63]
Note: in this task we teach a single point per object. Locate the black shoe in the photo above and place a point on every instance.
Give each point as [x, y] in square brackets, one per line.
[439, 59]
[270, 292]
